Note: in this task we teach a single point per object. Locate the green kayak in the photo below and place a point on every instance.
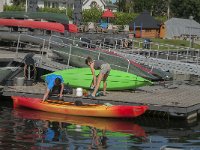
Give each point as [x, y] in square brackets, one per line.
[117, 80]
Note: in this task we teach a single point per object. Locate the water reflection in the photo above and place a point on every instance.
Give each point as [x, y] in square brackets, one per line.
[53, 129]
[29, 129]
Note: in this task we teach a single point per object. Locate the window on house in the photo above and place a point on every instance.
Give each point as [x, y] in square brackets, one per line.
[93, 4]
[55, 5]
[47, 4]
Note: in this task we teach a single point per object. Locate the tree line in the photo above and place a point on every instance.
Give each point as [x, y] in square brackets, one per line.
[167, 8]
[161, 9]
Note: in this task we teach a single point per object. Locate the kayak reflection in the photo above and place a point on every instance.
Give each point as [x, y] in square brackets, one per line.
[53, 120]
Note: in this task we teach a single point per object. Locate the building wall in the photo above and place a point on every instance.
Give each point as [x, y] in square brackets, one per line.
[98, 2]
[162, 31]
[61, 5]
[42, 4]
[7, 2]
[149, 33]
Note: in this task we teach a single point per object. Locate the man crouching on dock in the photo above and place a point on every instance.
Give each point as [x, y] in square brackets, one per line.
[55, 83]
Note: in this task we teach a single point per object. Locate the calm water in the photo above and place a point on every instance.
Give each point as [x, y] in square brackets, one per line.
[28, 129]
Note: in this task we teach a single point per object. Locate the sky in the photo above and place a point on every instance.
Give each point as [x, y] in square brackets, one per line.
[113, 1]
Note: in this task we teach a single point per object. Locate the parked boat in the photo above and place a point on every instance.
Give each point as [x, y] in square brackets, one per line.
[55, 17]
[111, 124]
[57, 27]
[69, 108]
[36, 39]
[117, 80]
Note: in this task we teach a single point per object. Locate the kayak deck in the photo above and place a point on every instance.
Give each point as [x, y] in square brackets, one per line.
[70, 108]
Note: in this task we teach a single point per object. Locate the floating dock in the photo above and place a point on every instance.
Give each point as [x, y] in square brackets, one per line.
[181, 101]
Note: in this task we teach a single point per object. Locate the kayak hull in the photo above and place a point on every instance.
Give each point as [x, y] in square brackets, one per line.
[68, 108]
[117, 80]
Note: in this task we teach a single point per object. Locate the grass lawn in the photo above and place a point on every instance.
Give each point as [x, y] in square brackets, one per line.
[175, 44]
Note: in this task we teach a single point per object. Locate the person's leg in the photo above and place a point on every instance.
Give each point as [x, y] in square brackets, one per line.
[100, 76]
[104, 83]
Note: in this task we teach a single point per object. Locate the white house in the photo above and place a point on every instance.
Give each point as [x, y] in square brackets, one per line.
[86, 4]
[61, 4]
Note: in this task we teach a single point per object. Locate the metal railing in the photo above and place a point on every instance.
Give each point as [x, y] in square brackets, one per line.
[98, 53]
[42, 49]
[177, 55]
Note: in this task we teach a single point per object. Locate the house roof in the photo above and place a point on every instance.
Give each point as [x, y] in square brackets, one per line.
[146, 21]
[179, 26]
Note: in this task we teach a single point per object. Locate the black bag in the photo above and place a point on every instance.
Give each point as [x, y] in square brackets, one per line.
[68, 89]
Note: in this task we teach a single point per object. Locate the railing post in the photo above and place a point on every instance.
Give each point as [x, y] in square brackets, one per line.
[177, 54]
[128, 65]
[99, 55]
[198, 57]
[43, 45]
[187, 55]
[132, 44]
[70, 50]
[49, 42]
[17, 48]
[115, 44]
[168, 53]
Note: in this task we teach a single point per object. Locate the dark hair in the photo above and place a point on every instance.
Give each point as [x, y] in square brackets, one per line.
[57, 81]
[88, 60]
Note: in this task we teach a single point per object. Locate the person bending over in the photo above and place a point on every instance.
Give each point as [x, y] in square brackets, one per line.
[103, 74]
[55, 83]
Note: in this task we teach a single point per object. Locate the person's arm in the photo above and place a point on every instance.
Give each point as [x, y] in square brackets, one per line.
[61, 91]
[93, 73]
[46, 94]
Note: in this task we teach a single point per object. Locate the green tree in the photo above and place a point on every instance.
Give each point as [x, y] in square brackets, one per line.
[92, 15]
[185, 8]
[155, 7]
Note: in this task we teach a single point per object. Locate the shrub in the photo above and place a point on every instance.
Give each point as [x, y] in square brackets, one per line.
[14, 8]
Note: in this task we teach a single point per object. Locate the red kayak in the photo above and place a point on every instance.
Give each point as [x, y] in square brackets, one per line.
[69, 108]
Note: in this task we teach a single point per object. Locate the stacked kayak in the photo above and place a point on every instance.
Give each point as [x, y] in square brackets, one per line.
[117, 80]
[69, 108]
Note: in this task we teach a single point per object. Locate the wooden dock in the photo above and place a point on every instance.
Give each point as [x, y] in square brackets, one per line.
[182, 101]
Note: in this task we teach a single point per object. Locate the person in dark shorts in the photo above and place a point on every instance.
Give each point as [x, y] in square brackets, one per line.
[103, 74]
[55, 83]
